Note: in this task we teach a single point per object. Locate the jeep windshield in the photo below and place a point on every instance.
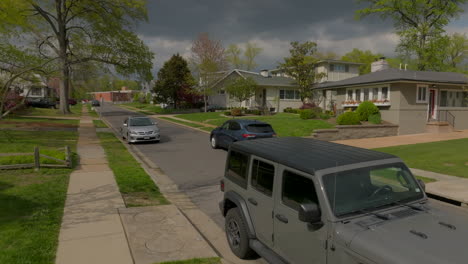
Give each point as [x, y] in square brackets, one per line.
[366, 189]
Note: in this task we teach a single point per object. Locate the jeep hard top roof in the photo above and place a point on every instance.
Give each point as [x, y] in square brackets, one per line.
[307, 155]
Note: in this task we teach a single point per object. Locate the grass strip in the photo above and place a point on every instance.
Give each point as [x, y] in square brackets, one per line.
[31, 203]
[136, 186]
[195, 261]
[99, 124]
[91, 111]
[184, 123]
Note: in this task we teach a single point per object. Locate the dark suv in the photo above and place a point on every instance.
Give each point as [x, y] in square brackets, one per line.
[239, 130]
[298, 200]
[42, 102]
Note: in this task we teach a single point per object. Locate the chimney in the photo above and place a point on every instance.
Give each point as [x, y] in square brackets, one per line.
[124, 88]
[265, 73]
[379, 65]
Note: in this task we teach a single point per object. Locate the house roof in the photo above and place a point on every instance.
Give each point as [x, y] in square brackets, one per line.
[341, 61]
[261, 80]
[308, 155]
[393, 75]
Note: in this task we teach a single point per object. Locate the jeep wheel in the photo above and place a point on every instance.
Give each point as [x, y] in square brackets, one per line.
[236, 233]
[214, 142]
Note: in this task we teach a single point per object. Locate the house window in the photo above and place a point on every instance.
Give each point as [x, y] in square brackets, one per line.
[350, 95]
[453, 99]
[366, 94]
[421, 95]
[375, 93]
[36, 91]
[339, 68]
[357, 95]
[346, 68]
[384, 93]
[222, 91]
[290, 95]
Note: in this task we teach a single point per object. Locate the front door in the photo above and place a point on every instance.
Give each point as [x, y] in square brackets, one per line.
[432, 104]
[260, 198]
[296, 241]
[264, 98]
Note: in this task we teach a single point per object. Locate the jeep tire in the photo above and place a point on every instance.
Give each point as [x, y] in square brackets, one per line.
[236, 234]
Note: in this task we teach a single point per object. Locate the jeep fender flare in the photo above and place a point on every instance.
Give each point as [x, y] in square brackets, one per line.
[242, 205]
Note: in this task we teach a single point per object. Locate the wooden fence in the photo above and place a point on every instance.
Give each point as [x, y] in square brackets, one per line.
[67, 163]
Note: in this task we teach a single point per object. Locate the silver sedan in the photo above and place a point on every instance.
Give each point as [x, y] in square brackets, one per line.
[140, 129]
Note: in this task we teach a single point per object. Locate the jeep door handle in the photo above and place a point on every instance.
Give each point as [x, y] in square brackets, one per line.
[282, 218]
[252, 201]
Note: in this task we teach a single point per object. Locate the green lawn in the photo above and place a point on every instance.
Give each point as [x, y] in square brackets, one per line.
[148, 108]
[136, 186]
[99, 124]
[31, 203]
[33, 111]
[284, 124]
[195, 261]
[17, 121]
[446, 157]
[91, 112]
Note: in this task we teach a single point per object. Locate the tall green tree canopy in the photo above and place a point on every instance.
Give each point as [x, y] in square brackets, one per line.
[233, 56]
[362, 56]
[241, 89]
[301, 66]
[251, 52]
[420, 25]
[173, 78]
[79, 31]
[457, 51]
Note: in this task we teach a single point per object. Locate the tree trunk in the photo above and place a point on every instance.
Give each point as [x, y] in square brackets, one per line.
[65, 70]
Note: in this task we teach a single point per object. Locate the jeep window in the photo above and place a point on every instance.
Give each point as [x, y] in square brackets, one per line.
[237, 168]
[259, 128]
[297, 190]
[369, 188]
[262, 177]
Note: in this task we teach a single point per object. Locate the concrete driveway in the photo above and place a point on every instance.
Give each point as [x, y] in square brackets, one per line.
[186, 157]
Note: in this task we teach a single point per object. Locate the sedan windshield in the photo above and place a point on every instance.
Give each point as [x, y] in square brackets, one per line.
[140, 122]
[364, 189]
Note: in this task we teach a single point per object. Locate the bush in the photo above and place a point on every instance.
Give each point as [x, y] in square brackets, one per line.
[348, 118]
[149, 98]
[136, 97]
[307, 106]
[366, 109]
[236, 112]
[324, 116]
[291, 110]
[330, 113]
[375, 119]
[287, 110]
[227, 113]
[307, 114]
[253, 112]
[317, 110]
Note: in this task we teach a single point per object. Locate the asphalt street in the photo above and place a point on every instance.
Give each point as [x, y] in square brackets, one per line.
[186, 157]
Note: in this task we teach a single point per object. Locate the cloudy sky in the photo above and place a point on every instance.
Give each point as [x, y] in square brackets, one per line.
[272, 24]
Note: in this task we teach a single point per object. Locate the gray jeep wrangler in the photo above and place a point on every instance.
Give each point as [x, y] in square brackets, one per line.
[295, 200]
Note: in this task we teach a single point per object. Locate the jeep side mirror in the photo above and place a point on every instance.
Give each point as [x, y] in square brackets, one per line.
[422, 184]
[309, 213]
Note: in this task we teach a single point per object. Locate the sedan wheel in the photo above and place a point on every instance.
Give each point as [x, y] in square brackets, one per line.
[214, 142]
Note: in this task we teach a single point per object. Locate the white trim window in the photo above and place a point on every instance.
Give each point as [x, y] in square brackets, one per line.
[289, 95]
[36, 91]
[422, 94]
[453, 98]
[377, 95]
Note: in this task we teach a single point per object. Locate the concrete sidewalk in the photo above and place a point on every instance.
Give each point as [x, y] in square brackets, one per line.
[91, 230]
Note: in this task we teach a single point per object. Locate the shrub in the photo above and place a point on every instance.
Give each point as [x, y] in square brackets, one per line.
[307, 106]
[227, 113]
[330, 113]
[365, 109]
[236, 112]
[324, 116]
[375, 119]
[307, 114]
[254, 112]
[287, 110]
[136, 97]
[348, 118]
[149, 98]
[317, 110]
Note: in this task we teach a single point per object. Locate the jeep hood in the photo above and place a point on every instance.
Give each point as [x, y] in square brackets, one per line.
[439, 235]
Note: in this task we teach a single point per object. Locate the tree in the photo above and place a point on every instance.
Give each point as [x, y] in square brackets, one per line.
[362, 56]
[233, 54]
[173, 78]
[420, 25]
[79, 31]
[251, 52]
[241, 89]
[208, 58]
[301, 66]
[329, 55]
[457, 50]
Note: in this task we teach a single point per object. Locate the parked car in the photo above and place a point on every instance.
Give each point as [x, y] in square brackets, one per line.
[211, 108]
[298, 200]
[72, 101]
[41, 102]
[239, 130]
[139, 129]
[95, 103]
